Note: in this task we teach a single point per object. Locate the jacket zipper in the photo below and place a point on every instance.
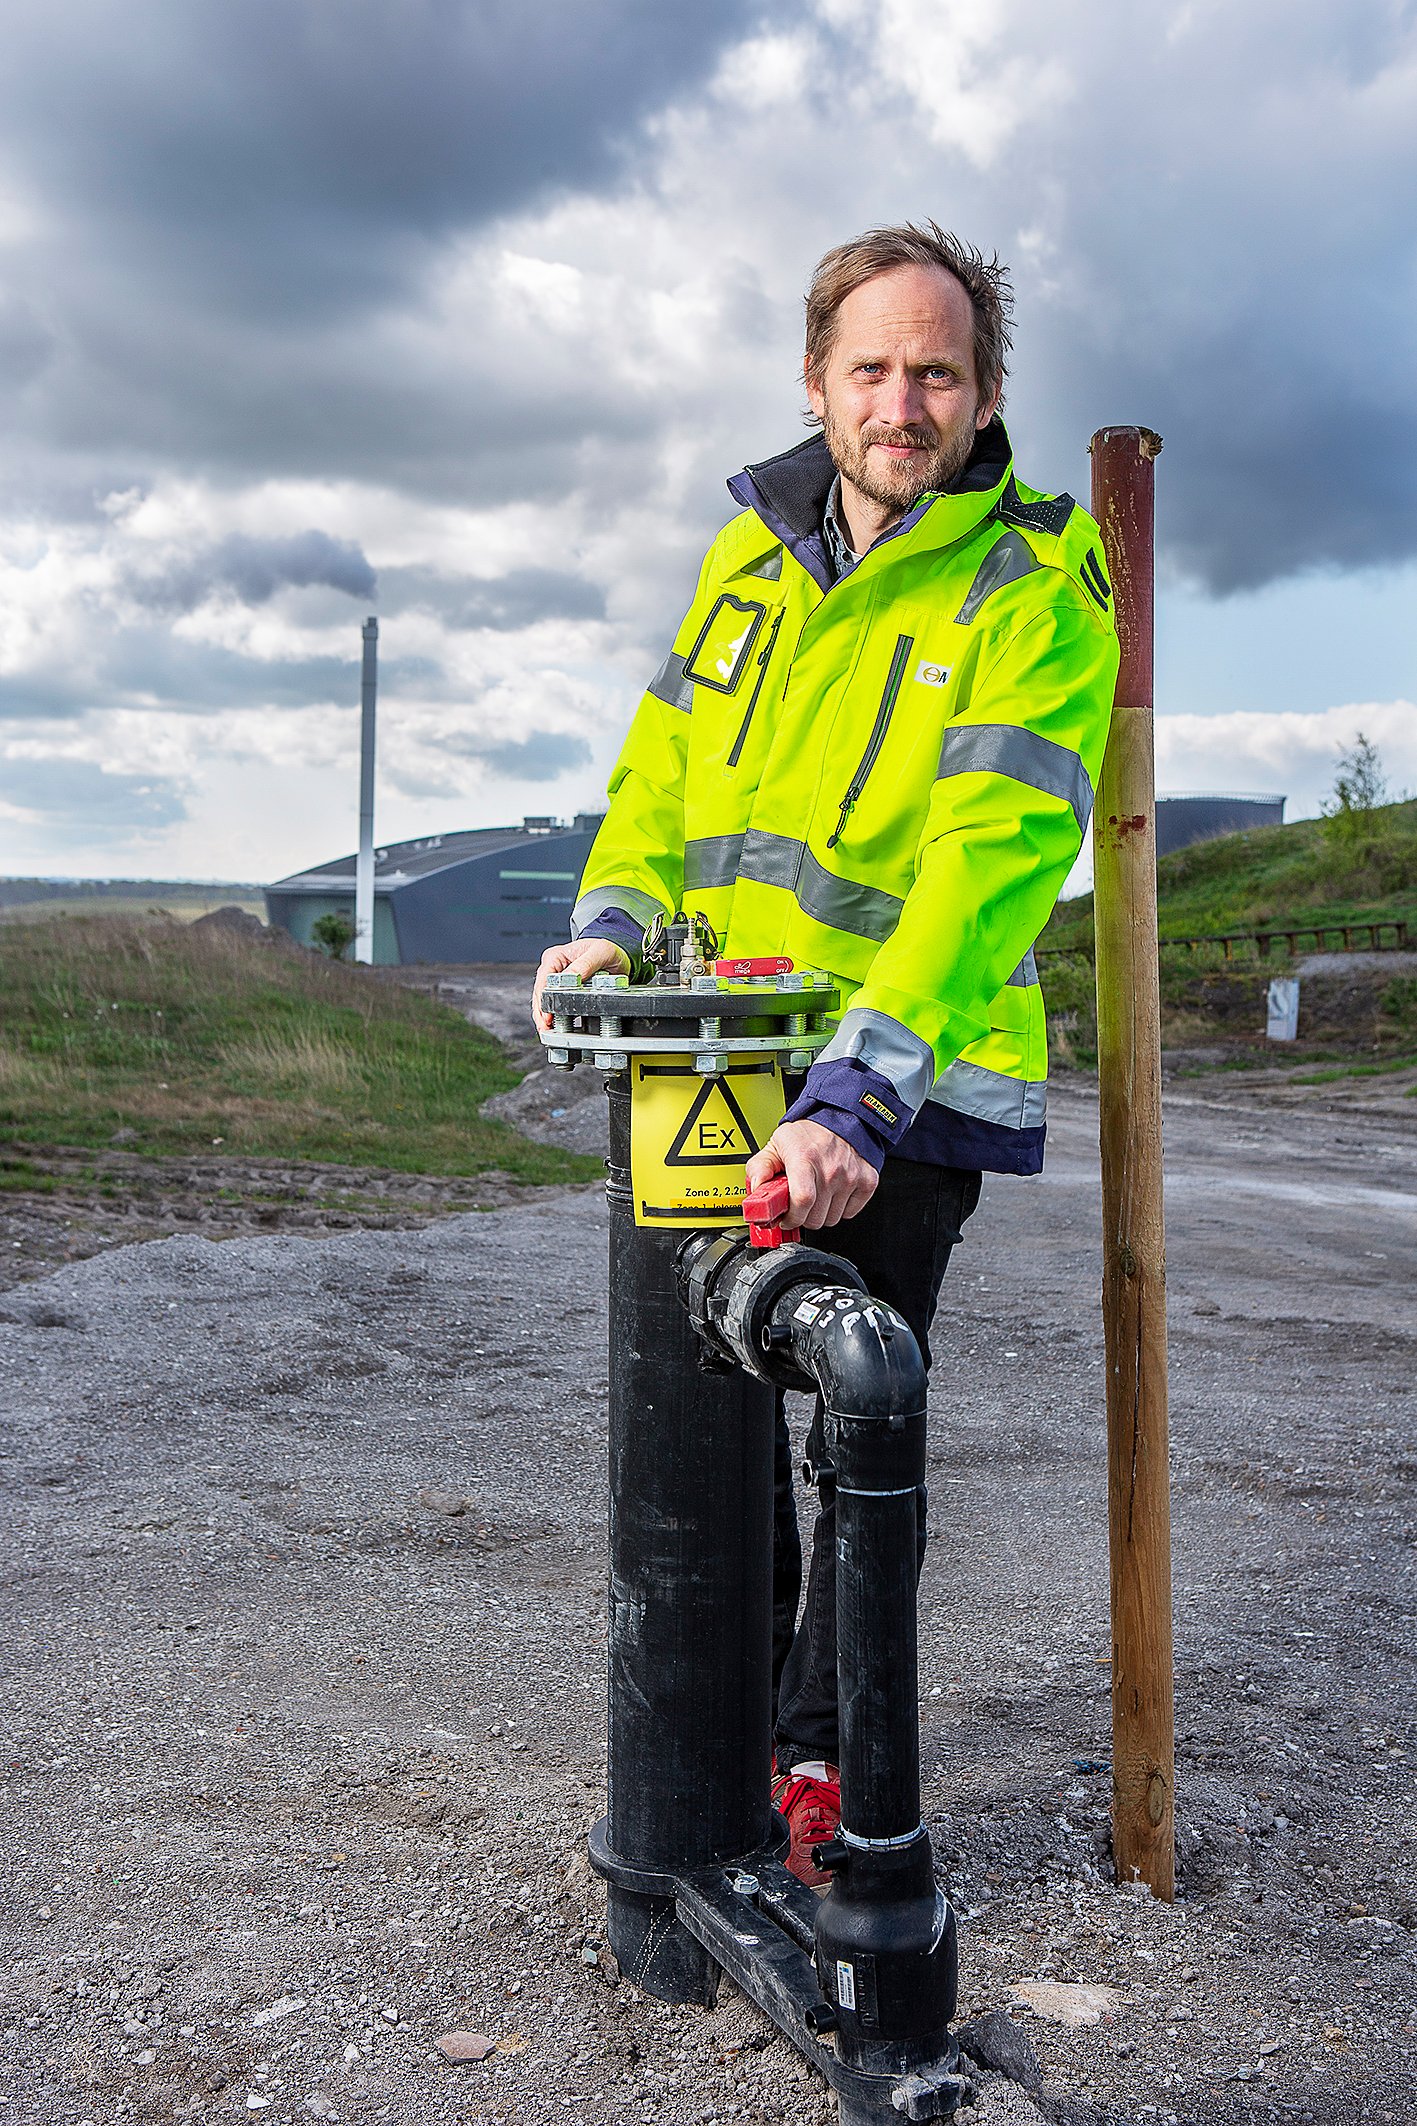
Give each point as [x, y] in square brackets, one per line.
[763, 656]
[904, 644]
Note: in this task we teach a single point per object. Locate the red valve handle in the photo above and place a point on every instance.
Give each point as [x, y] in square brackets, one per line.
[746, 968]
[763, 1208]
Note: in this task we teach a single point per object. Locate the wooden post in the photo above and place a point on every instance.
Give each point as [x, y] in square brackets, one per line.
[1133, 1231]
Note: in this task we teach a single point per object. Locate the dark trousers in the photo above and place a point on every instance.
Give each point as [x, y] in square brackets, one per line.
[901, 1244]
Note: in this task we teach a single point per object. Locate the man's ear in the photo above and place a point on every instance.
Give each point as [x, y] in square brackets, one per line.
[989, 407]
[815, 396]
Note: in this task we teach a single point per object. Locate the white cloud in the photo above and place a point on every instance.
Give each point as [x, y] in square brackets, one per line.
[1288, 754]
[1282, 752]
[975, 71]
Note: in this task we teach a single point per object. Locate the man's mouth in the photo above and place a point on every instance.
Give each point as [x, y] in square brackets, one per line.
[900, 446]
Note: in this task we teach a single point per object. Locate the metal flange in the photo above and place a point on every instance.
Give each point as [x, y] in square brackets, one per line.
[713, 1018]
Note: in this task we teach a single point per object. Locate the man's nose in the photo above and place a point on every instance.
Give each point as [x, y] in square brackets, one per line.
[901, 401]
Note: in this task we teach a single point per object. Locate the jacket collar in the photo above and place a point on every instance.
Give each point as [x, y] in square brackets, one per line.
[790, 494]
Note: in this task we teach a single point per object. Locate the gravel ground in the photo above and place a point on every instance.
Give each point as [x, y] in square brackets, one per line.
[303, 1600]
[87, 1201]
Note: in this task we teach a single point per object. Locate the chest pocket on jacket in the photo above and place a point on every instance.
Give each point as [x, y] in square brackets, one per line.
[725, 642]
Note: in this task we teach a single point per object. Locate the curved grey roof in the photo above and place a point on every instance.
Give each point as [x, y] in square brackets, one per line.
[399, 863]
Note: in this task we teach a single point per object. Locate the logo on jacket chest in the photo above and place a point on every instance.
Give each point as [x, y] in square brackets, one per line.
[929, 674]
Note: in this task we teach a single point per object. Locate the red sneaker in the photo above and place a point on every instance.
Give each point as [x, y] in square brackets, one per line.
[812, 1806]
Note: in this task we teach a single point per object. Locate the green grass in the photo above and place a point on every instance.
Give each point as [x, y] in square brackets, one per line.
[1276, 878]
[23, 1177]
[27, 900]
[1356, 1070]
[206, 1039]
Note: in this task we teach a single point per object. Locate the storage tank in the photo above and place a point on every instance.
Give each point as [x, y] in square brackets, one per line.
[1195, 818]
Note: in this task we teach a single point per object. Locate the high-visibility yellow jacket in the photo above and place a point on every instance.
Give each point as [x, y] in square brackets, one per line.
[887, 776]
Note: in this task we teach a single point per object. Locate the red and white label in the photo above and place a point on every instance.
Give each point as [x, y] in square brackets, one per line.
[742, 969]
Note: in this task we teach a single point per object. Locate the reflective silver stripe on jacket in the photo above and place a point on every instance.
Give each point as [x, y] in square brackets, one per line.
[1024, 756]
[712, 861]
[839, 903]
[1008, 560]
[669, 684]
[1025, 975]
[779, 860]
[642, 908]
[1015, 1103]
[884, 1045]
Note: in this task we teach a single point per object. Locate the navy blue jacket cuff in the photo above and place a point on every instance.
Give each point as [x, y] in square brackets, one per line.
[622, 930]
[857, 1103]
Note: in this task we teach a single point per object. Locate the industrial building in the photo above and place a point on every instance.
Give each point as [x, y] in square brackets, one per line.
[488, 894]
[1183, 820]
[506, 893]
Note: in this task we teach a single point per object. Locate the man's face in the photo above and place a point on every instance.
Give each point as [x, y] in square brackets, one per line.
[898, 399]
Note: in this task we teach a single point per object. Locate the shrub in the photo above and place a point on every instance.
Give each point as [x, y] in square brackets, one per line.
[1359, 789]
[1399, 1000]
[333, 933]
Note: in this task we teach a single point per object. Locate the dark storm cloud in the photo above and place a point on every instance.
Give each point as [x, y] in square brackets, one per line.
[173, 385]
[237, 211]
[516, 600]
[76, 798]
[286, 153]
[539, 757]
[253, 570]
[1224, 209]
[151, 668]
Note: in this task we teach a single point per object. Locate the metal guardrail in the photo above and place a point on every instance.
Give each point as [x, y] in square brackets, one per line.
[1390, 936]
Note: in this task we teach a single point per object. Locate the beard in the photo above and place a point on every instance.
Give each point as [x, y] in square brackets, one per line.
[894, 486]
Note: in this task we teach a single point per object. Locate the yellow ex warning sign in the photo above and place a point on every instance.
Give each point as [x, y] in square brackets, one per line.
[691, 1136]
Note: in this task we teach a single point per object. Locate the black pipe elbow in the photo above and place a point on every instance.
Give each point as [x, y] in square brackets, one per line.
[885, 1944]
[803, 1319]
[858, 1351]
[741, 1300]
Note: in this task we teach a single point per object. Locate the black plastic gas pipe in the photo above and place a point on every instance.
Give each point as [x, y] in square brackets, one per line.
[885, 1937]
[690, 1625]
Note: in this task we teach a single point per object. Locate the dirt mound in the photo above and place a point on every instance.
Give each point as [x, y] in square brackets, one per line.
[243, 923]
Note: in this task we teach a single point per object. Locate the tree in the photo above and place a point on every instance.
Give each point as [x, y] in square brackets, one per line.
[333, 933]
[1359, 788]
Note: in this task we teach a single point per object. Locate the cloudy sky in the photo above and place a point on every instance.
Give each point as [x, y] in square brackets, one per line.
[460, 312]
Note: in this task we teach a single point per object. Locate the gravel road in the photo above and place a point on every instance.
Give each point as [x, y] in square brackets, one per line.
[303, 1604]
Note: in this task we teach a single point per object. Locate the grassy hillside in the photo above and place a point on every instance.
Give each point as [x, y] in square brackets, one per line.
[190, 1038]
[1271, 877]
[24, 899]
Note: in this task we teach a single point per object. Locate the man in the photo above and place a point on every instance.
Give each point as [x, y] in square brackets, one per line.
[873, 748]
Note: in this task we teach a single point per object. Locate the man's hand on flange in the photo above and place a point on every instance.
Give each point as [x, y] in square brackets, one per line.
[828, 1177]
[585, 957]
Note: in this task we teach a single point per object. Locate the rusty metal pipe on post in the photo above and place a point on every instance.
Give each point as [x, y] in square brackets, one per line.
[1134, 1243]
